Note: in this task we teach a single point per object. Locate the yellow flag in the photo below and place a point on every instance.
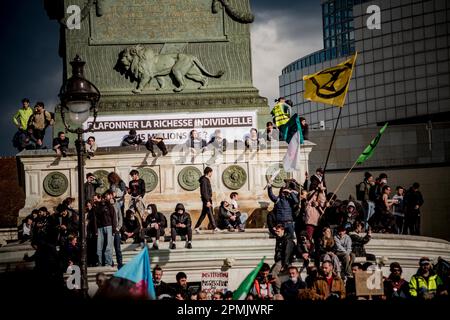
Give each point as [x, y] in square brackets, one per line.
[330, 85]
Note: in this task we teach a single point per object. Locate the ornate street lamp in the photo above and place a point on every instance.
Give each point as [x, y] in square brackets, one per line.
[79, 99]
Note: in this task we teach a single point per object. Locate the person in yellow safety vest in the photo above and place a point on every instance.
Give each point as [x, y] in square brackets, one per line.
[21, 117]
[425, 283]
[280, 112]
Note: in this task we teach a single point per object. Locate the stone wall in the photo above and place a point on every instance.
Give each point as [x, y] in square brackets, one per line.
[169, 180]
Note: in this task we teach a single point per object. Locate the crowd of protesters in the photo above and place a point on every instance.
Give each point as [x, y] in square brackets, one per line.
[321, 283]
[309, 223]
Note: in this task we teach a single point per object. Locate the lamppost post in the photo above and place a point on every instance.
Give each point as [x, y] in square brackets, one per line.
[79, 99]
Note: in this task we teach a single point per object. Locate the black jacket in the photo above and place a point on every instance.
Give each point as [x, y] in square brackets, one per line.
[358, 243]
[158, 218]
[137, 188]
[89, 189]
[131, 140]
[205, 189]
[314, 182]
[131, 226]
[289, 289]
[63, 144]
[284, 250]
[163, 288]
[221, 145]
[105, 215]
[184, 218]
[271, 222]
[411, 199]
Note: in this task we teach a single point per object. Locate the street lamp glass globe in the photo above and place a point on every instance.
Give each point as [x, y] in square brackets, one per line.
[78, 112]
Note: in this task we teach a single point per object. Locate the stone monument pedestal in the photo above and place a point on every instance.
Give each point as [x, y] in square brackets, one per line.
[169, 180]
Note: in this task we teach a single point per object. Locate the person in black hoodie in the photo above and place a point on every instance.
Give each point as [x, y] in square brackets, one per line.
[105, 223]
[156, 223]
[206, 196]
[180, 224]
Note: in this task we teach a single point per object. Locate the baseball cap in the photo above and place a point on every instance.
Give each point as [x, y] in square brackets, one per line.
[424, 261]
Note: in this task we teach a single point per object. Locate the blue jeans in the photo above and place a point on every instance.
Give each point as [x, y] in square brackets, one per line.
[369, 210]
[105, 245]
[289, 229]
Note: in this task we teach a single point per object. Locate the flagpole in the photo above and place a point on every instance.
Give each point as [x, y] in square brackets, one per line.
[332, 140]
[330, 202]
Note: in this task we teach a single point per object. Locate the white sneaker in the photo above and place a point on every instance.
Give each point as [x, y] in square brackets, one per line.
[216, 230]
[197, 230]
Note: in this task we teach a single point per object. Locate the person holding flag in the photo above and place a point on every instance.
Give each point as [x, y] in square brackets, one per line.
[241, 292]
[280, 113]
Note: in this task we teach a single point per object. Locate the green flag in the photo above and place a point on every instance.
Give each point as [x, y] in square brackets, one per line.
[246, 285]
[369, 150]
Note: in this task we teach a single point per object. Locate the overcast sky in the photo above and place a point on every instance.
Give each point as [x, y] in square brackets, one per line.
[283, 31]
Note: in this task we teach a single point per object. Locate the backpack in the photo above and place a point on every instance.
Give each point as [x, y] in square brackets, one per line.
[52, 118]
[360, 193]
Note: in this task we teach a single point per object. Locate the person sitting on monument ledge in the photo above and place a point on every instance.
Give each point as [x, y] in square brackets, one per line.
[181, 225]
[90, 146]
[194, 143]
[159, 142]
[156, 223]
[61, 144]
[252, 141]
[229, 218]
[132, 139]
[218, 141]
[271, 133]
[234, 197]
[305, 128]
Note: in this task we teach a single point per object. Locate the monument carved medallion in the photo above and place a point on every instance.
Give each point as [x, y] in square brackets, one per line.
[188, 178]
[234, 177]
[150, 178]
[55, 184]
[278, 182]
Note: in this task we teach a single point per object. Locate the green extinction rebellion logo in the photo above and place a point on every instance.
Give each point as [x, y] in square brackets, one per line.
[332, 88]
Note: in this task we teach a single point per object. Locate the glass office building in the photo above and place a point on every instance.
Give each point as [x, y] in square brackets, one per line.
[402, 71]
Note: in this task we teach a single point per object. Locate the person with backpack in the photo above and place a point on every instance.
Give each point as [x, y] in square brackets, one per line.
[363, 195]
[40, 120]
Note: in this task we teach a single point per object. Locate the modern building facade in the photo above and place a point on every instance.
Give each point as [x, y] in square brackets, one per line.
[402, 71]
